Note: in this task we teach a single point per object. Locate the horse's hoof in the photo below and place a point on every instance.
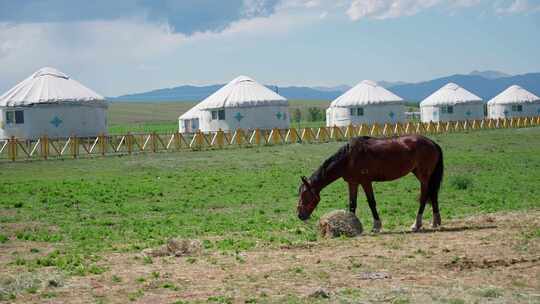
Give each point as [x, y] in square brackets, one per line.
[436, 221]
[415, 228]
[377, 226]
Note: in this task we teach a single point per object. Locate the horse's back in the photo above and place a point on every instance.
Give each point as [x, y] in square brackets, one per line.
[392, 157]
[394, 144]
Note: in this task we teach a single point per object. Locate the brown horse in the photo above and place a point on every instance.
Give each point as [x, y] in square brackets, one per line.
[365, 160]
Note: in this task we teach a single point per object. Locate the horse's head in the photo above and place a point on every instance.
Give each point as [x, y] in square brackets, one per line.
[307, 200]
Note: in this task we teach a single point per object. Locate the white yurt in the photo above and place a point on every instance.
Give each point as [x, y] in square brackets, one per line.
[368, 103]
[242, 103]
[451, 103]
[514, 102]
[189, 121]
[51, 103]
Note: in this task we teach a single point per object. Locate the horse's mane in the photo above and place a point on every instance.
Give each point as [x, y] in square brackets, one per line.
[321, 173]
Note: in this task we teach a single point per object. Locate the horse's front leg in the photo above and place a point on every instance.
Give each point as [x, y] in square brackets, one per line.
[368, 189]
[353, 195]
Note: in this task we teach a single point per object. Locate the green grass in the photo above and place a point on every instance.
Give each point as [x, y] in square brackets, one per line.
[237, 199]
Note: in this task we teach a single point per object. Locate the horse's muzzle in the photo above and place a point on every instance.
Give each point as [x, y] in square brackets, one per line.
[303, 217]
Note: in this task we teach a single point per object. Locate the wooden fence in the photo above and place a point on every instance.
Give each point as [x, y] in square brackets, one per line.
[15, 149]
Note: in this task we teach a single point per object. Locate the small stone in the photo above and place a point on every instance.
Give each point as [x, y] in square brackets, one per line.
[183, 247]
[377, 275]
[175, 247]
[54, 283]
[320, 293]
[338, 223]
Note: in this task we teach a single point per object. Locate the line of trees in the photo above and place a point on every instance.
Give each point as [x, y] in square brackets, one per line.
[312, 114]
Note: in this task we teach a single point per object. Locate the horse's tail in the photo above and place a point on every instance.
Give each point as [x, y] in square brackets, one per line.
[434, 183]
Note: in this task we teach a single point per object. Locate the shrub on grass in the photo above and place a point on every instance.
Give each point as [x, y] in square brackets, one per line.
[461, 182]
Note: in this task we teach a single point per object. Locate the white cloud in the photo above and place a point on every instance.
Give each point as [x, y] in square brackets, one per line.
[385, 9]
[464, 3]
[518, 7]
[100, 52]
[105, 54]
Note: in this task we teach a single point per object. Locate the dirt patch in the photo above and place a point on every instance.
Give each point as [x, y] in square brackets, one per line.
[479, 259]
[464, 263]
[13, 249]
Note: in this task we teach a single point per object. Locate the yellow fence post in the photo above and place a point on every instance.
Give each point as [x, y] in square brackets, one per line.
[307, 135]
[44, 147]
[74, 146]
[292, 136]
[102, 144]
[335, 133]
[446, 127]
[349, 131]
[275, 136]
[255, 137]
[322, 134]
[219, 139]
[363, 130]
[385, 130]
[129, 143]
[375, 130]
[197, 141]
[398, 129]
[12, 148]
[238, 137]
[408, 128]
[466, 125]
[153, 142]
[419, 128]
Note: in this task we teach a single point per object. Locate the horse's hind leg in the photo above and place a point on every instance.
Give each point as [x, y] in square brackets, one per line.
[368, 189]
[423, 200]
[434, 198]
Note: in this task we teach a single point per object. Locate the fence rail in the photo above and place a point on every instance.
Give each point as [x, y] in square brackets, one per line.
[15, 149]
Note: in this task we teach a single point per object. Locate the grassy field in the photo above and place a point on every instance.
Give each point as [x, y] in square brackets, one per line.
[70, 214]
[163, 117]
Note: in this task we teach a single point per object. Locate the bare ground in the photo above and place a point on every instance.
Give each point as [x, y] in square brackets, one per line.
[485, 259]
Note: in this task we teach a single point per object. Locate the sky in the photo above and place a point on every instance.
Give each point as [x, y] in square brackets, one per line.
[127, 46]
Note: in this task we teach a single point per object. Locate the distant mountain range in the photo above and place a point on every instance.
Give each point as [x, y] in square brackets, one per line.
[485, 84]
[486, 88]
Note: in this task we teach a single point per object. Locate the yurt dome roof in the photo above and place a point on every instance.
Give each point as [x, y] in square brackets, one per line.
[365, 93]
[242, 92]
[450, 94]
[191, 113]
[512, 95]
[48, 85]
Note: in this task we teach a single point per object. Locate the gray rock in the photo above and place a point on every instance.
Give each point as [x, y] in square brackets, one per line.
[181, 247]
[176, 247]
[338, 223]
[320, 293]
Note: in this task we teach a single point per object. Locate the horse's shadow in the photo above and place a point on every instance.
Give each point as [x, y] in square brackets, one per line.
[437, 230]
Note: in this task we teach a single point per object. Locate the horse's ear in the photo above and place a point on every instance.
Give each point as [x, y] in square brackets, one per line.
[305, 181]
